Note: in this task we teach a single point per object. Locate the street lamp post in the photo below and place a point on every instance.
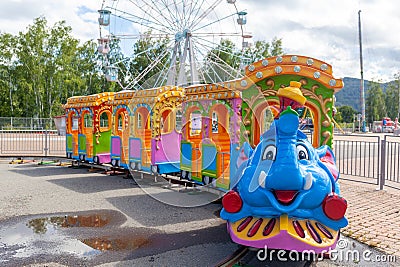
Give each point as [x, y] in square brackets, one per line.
[362, 77]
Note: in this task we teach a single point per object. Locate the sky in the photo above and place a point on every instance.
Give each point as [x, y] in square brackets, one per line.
[326, 30]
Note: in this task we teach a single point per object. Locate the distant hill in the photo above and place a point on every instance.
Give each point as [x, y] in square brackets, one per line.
[350, 93]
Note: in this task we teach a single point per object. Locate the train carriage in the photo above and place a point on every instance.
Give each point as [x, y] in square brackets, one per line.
[139, 146]
[72, 129]
[146, 132]
[89, 131]
[166, 130]
[122, 126]
[209, 135]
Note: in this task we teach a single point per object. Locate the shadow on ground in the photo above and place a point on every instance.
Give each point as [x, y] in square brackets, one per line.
[151, 212]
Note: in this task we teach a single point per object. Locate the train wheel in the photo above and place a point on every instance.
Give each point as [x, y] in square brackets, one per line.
[132, 165]
[154, 169]
[114, 162]
[139, 166]
[183, 174]
[207, 180]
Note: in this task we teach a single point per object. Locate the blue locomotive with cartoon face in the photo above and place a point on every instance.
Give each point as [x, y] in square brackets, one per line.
[287, 195]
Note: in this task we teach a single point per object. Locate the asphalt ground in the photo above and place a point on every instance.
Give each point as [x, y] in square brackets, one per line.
[63, 216]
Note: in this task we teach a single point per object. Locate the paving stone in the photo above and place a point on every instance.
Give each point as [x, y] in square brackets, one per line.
[374, 216]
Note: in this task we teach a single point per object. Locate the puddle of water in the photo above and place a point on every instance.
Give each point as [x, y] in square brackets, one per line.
[42, 225]
[49, 235]
[117, 244]
[21, 241]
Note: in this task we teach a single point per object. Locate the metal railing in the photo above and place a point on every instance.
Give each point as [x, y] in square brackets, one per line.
[373, 159]
[390, 161]
[39, 142]
[369, 159]
[358, 156]
[15, 123]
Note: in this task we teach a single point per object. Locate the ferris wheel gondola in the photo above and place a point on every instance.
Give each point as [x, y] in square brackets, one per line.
[183, 42]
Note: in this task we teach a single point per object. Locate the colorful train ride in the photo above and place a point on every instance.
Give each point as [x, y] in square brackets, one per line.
[219, 135]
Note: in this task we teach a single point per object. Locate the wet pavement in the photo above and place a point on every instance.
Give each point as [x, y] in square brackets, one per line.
[89, 238]
[59, 216]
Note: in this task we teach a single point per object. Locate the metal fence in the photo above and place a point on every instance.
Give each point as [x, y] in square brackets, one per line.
[15, 123]
[39, 142]
[369, 159]
[390, 161]
[366, 158]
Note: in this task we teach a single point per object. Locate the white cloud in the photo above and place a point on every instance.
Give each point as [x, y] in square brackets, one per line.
[319, 29]
[17, 15]
[329, 31]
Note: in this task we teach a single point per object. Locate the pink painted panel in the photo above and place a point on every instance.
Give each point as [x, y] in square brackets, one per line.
[167, 149]
[134, 148]
[116, 146]
[104, 158]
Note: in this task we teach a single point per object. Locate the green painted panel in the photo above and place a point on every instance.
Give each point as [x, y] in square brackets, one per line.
[82, 143]
[104, 145]
[69, 143]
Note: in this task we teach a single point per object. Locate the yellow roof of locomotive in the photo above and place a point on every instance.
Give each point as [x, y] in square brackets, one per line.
[290, 64]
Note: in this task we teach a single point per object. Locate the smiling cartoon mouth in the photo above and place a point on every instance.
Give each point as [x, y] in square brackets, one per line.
[285, 197]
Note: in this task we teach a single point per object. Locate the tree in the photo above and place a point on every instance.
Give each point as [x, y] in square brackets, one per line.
[222, 62]
[227, 52]
[7, 79]
[375, 103]
[347, 113]
[43, 66]
[263, 49]
[392, 100]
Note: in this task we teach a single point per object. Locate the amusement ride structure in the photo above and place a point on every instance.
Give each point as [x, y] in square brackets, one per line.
[191, 33]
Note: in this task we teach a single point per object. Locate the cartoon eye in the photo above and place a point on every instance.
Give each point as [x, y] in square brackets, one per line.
[269, 153]
[302, 152]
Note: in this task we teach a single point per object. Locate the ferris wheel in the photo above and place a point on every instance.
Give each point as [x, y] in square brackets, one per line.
[151, 43]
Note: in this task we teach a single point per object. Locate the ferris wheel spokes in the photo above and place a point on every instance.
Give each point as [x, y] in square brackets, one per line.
[148, 23]
[193, 51]
[197, 20]
[160, 12]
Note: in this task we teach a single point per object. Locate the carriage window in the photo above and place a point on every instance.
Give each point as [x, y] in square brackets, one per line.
[120, 121]
[214, 122]
[133, 124]
[139, 121]
[74, 123]
[178, 121]
[195, 124]
[104, 120]
[166, 121]
[267, 120]
[87, 120]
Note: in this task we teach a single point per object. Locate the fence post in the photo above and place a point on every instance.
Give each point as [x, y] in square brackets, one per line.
[46, 148]
[383, 164]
